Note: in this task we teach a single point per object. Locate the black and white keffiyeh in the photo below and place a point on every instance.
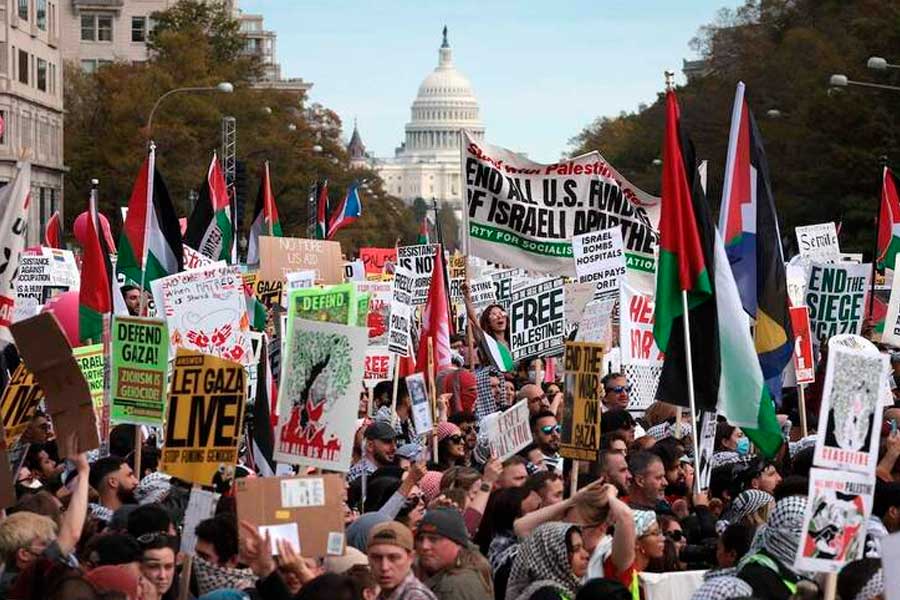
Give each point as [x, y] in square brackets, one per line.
[723, 588]
[542, 561]
[212, 577]
[744, 504]
[874, 588]
[780, 535]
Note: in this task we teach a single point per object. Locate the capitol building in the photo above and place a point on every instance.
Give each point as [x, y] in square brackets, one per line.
[427, 163]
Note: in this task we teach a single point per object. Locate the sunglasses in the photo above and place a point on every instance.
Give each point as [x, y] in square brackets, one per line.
[456, 439]
[675, 536]
[548, 429]
[413, 501]
[619, 389]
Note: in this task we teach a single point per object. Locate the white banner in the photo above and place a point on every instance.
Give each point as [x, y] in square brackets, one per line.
[524, 214]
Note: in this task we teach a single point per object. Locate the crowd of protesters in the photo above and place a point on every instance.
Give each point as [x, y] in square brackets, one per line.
[453, 523]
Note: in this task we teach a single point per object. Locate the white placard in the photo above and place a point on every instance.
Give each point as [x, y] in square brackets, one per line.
[600, 259]
[421, 407]
[818, 242]
[508, 431]
[302, 493]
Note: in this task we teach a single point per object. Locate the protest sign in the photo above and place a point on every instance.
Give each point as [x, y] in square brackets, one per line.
[482, 293]
[44, 348]
[21, 396]
[333, 304]
[193, 259]
[537, 319]
[201, 506]
[456, 272]
[257, 339]
[44, 273]
[836, 297]
[206, 310]
[834, 524]
[421, 405]
[525, 214]
[890, 555]
[205, 417]
[399, 332]
[378, 261]
[296, 280]
[580, 436]
[7, 476]
[577, 297]
[92, 362]
[804, 367]
[818, 242]
[636, 328]
[306, 510]
[706, 446]
[420, 262]
[600, 259]
[281, 255]
[796, 273]
[508, 431]
[850, 414]
[379, 314]
[595, 324]
[354, 271]
[891, 334]
[379, 365]
[503, 285]
[269, 292]
[319, 394]
[140, 355]
[857, 342]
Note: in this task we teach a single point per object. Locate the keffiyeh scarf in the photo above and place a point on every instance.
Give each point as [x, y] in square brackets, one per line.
[723, 588]
[745, 504]
[211, 577]
[543, 561]
[873, 588]
[780, 535]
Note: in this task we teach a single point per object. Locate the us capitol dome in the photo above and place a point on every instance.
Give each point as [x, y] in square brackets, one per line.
[427, 163]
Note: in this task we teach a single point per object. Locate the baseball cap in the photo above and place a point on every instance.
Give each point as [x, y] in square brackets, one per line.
[392, 533]
[409, 451]
[379, 430]
[445, 522]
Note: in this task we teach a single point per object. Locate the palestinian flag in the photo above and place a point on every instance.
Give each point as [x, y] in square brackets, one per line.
[210, 230]
[261, 435]
[53, 233]
[423, 232]
[150, 245]
[322, 211]
[889, 222]
[497, 353]
[694, 266]
[95, 295]
[265, 216]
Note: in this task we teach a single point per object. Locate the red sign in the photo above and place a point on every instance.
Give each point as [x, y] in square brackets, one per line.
[803, 352]
[375, 259]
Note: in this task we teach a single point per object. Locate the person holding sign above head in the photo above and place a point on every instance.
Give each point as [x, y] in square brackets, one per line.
[381, 447]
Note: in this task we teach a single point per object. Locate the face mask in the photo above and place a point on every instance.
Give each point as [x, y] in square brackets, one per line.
[743, 446]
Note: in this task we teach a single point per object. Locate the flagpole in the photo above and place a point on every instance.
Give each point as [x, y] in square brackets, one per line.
[434, 409]
[690, 381]
[801, 401]
[883, 160]
[394, 396]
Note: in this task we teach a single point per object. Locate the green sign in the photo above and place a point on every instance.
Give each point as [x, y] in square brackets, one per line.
[92, 362]
[362, 311]
[140, 352]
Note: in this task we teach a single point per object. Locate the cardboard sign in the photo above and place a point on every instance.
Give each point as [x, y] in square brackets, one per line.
[45, 349]
[537, 319]
[804, 366]
[508, 431]
[419, 260]
[379, 365]
[834, 525]
[850, 413]
[206, 311]
[524, 214]
[891, 334]
[378, 261]
[306, 510]
[140, 354]
[378, 317]
[205, 417]
[580, 436]
[818, 242]
[20, 398]
[636, 328]
[421, 405]
[600, 259]
[836, 297]
[321, 373]
[281, 255]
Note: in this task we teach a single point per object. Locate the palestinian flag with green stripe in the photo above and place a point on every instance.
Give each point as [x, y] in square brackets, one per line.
[210, 230]
[265, 219]
[150, 245]
[889, 222]
[693, 263]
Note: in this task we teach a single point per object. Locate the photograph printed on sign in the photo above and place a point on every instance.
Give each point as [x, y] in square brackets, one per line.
[851, 410]
[421, 406]
[318, 399]
[834, 524]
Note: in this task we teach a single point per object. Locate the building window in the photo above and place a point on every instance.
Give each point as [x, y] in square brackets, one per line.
[41, 14]
[5, 127]
[23, 67]
[42, 74]
[138, 29]
[23, 10]
[96, 28]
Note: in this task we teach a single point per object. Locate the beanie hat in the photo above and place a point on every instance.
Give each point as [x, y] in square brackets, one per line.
[445, 522]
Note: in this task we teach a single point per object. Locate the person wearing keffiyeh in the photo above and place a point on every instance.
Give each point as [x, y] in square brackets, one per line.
[553, 556]
[861, 580]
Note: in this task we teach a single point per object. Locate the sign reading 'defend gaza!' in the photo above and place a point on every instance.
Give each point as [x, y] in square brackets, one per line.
[524, 214]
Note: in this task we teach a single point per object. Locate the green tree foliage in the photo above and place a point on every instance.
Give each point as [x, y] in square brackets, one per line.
[823, 149]
[106, 131]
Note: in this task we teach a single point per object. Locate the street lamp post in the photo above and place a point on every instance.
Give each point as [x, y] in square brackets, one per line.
[841, 81]
[225, 87]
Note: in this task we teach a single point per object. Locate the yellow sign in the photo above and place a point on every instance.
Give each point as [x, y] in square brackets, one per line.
[205, 416]
[580, 436]
[20, 398]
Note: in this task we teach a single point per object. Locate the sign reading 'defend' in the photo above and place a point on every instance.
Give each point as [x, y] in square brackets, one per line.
[525, 214]
[836, 297]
